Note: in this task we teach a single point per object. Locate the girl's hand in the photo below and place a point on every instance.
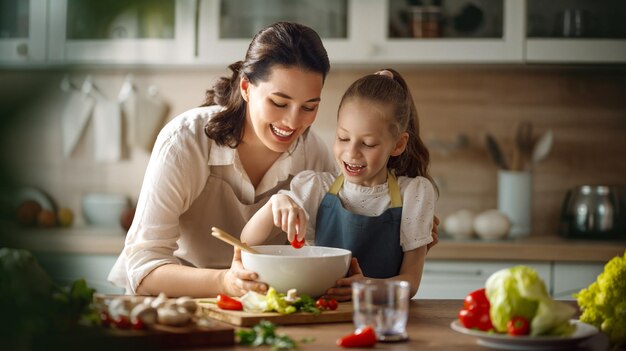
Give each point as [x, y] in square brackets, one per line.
[434, 233]
[288, 216]
[236, 281]
[343, 290]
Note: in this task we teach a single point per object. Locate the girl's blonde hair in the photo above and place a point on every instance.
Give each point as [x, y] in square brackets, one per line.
[389, 89]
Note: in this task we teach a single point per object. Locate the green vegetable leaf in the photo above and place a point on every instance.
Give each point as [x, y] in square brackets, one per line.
[264, 333]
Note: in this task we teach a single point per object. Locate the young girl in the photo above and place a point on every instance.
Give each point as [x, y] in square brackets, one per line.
[381, 206]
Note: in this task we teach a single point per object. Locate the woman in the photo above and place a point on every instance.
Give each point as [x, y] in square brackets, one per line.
[216, 165]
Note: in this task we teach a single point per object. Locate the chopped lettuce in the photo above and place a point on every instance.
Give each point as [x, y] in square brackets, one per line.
[519, 291]
[276, 302]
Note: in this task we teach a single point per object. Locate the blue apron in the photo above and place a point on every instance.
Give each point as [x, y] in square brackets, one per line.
[374, 241]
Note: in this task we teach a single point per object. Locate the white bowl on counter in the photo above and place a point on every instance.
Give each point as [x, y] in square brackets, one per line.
[104, 209]
[311, 269]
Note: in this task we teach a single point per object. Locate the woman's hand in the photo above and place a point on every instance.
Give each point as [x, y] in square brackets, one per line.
[434, 233]
[237, 280]
[289, 216]
[343, 290]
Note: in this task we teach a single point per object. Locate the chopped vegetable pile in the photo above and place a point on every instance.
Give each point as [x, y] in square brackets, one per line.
[603, 303]
[274, 301]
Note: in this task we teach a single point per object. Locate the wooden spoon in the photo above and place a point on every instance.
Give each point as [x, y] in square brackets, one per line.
[542, 147]
[227, 238]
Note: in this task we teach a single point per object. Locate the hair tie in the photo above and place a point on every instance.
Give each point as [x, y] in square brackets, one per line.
[385, 73]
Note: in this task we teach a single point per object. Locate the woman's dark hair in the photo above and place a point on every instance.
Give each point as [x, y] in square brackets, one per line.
[284, 44]
[394, 93]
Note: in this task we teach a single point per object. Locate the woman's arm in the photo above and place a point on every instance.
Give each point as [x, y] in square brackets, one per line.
[178, 280]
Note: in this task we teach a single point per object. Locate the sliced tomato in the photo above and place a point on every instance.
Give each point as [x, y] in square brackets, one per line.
[365, 337]
[226, 302]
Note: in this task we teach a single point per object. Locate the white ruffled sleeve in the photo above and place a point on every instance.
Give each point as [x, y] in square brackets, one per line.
[418, 210]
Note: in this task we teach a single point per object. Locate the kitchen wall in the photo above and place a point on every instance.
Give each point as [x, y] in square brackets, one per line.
[585, 107]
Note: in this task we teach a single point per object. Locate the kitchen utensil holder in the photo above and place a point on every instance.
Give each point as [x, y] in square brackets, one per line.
[515, 190]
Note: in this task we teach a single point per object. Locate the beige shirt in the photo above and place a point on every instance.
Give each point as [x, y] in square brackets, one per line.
[418, 203]
[192, 184]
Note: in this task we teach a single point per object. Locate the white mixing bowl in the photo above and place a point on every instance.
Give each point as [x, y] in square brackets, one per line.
[311, 270]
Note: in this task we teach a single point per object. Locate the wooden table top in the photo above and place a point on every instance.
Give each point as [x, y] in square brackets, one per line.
[428, 329]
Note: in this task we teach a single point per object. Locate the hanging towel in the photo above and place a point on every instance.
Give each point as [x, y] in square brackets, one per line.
[149, 118]
[107, 131]
[76, 114]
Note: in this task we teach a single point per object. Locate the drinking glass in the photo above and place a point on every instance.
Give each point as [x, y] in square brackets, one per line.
[383, 305]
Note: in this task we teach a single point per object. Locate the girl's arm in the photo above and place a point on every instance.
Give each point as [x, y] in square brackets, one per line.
[280, 211]
[410, 271]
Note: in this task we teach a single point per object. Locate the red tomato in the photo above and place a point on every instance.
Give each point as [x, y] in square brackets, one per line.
[475, 311]
[518, 325]
[476, 300]
[332, 304]
[226, 302]
[105, 319]
[138, 324]
[326, 303]
[321, 303]
[365, 337]
[122, 322]
[297, 244]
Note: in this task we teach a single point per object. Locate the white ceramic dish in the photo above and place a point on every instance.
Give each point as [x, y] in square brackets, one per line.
[527, 343]
[311, 270]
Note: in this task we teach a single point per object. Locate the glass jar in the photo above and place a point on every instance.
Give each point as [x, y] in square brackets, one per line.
[425, 21]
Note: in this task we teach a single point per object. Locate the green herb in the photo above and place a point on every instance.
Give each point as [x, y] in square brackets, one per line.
[306, 304]
[264, 333]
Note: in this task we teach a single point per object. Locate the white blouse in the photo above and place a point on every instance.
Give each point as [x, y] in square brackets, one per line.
[192, 184]
[418, 203]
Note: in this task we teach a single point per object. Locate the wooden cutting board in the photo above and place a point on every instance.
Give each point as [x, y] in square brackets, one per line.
[343, 313]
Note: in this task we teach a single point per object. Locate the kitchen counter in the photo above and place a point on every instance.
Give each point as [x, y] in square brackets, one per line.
[110, 241]
[428, 328]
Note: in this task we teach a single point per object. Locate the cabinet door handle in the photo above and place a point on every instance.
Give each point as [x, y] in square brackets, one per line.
[477, 272]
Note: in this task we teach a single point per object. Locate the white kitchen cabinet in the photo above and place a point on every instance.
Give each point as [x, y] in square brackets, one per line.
[364, 37]
[23, 31]
[574, 31]
[119, 31]
[65, 268]
[455, 279]
[227, 27]
[569, 278]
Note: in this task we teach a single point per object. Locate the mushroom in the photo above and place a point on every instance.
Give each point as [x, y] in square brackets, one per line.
[160, 301]
[187, 303]
[173, 316]
[146, 314]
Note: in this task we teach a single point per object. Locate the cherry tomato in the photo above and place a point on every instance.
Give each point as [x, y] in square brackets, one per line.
[326, 303]
[297, 244]
[475, 311]
[321, 303]
[365, 337]
[518, 325]
[226, 302]
[332, 304]
[477, 299]
[138, 325]
[122, 322]
[105, 319]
